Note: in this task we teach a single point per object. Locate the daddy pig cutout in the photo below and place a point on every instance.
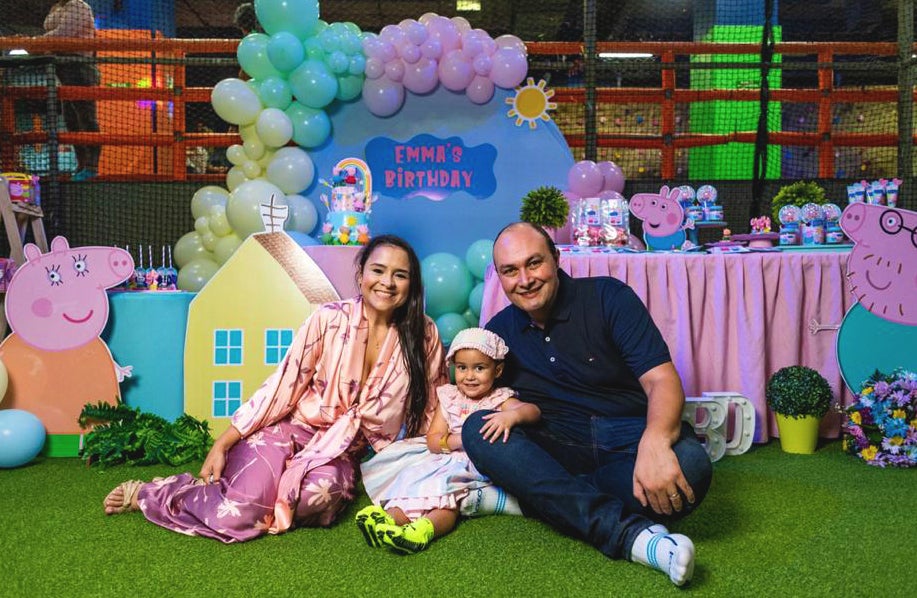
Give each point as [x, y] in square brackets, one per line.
[663, 218]
[879, 331]
[56, 306]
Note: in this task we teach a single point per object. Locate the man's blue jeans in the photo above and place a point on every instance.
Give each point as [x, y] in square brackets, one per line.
[577, 474]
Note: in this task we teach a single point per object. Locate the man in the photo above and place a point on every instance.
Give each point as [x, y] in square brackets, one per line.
[611, 459]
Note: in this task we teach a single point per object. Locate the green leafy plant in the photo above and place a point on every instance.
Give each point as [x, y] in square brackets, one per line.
[797, 194]
[798, 391]
[545, 206]
[122, 434]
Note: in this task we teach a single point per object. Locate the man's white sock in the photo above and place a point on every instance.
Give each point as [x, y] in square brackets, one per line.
[670, 553]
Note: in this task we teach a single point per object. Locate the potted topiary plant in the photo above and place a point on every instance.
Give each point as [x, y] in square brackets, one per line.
[800, 397]
[798, 194]
[545, 206]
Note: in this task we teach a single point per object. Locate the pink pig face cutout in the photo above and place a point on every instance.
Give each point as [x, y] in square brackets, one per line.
[882, 268]
[661, 213]
[56, 301]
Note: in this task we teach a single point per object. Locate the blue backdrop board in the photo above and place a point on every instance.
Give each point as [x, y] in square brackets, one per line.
[146, 330]
[447, 171]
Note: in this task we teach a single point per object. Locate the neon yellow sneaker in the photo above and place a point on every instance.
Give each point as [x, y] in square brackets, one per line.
[406, 539]
[368, 518]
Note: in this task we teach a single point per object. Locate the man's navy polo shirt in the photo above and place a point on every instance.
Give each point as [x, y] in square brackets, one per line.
[587, 359]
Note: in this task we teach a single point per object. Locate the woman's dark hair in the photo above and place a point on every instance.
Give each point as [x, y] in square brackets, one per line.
[410, 321]
[246, 20]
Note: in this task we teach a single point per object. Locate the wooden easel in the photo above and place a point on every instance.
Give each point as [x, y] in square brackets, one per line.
[17, 217]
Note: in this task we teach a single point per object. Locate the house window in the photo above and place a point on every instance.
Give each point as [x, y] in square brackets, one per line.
[276, 343]
[227, 397]
[227, 347]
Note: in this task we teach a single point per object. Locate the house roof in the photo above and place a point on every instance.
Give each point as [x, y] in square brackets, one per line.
[302, 269]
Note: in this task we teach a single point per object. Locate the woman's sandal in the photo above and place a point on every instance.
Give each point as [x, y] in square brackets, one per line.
[129, 490]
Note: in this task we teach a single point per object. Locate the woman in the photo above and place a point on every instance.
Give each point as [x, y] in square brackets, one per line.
[357, 372]
[74, 18]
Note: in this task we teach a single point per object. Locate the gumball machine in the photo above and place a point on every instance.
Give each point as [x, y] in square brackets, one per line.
[789, 216]
[813, 224]
[833, 233]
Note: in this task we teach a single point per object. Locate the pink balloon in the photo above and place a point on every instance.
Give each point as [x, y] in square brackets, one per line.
[613, 176]
[394, 70]
[482, 64]
[431, 49]
[606, 194]
[472, 45]
[416, 32]
[382, 96]
[444, 30]
[585, 179]
[409, 52]
[375, 68]
[372, 47]
[388, 51]
[421, 77]
[461, 23]
[509, 68]
[512, 42]
[393, 34]
[480, 90]
[571, 196]
[427, 17]
[455, 72]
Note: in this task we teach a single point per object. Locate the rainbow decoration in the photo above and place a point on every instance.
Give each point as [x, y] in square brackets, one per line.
[365, 173]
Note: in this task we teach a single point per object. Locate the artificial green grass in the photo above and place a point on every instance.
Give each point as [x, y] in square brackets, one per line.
[774, 524]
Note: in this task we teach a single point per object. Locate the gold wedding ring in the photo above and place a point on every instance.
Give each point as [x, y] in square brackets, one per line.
[674, 496]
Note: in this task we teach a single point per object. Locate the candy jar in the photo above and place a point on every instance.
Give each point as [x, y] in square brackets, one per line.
[706, 195]
[833, 232]
[813, 224]
[789, 216]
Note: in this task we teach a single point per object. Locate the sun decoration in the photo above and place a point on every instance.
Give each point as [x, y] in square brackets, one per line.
[531, 102]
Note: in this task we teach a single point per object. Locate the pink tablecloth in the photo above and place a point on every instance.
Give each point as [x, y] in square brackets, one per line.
[731, 320]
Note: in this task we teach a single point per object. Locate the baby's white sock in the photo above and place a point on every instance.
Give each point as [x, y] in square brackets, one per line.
[489, 500]
[669, 553]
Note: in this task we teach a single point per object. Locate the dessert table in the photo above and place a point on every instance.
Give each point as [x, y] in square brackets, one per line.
[730, 320]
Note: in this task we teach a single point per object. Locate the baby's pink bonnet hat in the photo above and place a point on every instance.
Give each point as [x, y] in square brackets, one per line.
[480, 339]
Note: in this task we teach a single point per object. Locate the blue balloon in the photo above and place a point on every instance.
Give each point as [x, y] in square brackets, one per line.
[479, 254]
[449, 325]
[446, 282]
[313, 84]
[475, 297]
[299, 17]
[471, 317]
[302, 239]
[311, 126]
[275, 93]
[285, 51]
[252, 56]
[22, 436]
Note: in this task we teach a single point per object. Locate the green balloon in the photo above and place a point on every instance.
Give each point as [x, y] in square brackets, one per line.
[225, 247]
[188, 248]
[205, 197]
[449, 325]
[195, 274]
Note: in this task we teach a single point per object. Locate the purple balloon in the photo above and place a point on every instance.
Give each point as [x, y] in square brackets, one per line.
[394, 70]
[421, 77]
[382, 96]
[415, 31]
[393, 34]
[480, 90]
[585, 179]
[431, 48]
[455, 73]
[375, 68]
[482, 64]
[612, 175]
[610, 195]
[509, 68]
[409, 52]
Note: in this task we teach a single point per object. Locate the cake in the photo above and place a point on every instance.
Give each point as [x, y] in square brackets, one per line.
[349, 207]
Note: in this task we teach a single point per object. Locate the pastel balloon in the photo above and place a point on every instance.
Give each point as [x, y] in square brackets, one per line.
[208, 240]
[244, 206]
[612, 176]
[509, 67]
[285, 51]
[351, 44]
[432, 48]
[444, 31]
[218, 223]
[447, 283]
[472, 44]
[349, 87]
[382, 96]
[414, 30]
[512, 42]
[201, 225]
[356, 64]
[478, 255]
[409, 52]
[299, 17]
[312, 84]
[427, 17]
[195, 274]
[337, 62]
[254, 147]
[251, 168]
[482, 64]
[449, 325]
[471, 317]
[475, 298]
[236, 154]
[248, 131]
[22, 436]
[314, 49]
[205, 197]
[235, 102]
[375, 68]
[225, 247]
[187, 248]
[394, 70]
[585, 179]
[393, 34]
[253, 56]
[311, 126]
[480, 90]
[265, 159]
[291, 170]
[461, 24]
[235, 177]
[455, 72]
[330, 40]
[421, 77]
[274, 127]
[302, 214]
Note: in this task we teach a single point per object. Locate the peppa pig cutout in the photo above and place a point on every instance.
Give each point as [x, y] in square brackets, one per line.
[57, 307]
[663, 219]
[880, 329]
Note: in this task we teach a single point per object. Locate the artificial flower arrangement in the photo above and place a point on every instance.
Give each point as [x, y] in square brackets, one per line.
[881, 425]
